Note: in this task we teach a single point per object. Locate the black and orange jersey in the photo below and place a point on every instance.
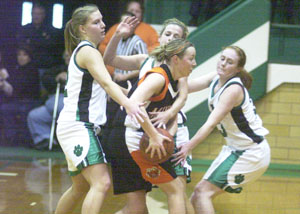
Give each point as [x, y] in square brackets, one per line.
[164, 100]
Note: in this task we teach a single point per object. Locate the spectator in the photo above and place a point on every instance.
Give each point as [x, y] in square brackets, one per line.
[5, 91]
[5, 86]
[43, 39]
[147, 33]
[25, 95]
[40, 119]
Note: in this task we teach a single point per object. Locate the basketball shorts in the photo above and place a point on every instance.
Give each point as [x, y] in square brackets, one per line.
[126, 173]
[80, 145]
[154, 173]
[182, 137]
[232, 169]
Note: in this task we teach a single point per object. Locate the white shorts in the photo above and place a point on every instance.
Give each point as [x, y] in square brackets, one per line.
[80, 145]
[181, 138]
[232, 169]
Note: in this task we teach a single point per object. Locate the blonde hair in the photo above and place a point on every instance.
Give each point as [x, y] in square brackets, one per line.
[245, 77]
[71, 33]
[174, 47]
[174, 21]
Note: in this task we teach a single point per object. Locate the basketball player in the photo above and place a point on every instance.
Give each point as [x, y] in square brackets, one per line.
[247, 153]
[124, 170]
[84, 111]
[158, 88]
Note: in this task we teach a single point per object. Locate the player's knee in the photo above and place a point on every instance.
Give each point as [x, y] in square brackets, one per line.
[138, 208]
[136, 202]
[103, 185]
[173, 188]
[202, 190]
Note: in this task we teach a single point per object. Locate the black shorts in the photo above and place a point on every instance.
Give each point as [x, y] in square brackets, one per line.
[126, 174]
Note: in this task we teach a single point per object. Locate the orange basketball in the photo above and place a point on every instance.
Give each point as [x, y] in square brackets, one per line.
[169, 147]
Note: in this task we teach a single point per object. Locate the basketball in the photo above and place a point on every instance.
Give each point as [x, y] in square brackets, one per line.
[169, 147]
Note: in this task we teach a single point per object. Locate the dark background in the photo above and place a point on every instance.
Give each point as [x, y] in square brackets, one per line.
[11, 16]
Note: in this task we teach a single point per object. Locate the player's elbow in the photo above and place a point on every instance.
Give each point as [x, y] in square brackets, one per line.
[107, 59]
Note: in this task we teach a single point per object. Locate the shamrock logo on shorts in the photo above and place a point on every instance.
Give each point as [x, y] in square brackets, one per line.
[239, 178]
[78, 150]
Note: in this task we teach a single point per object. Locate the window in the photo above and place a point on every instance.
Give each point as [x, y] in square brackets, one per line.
[57, 16]
[26, 12]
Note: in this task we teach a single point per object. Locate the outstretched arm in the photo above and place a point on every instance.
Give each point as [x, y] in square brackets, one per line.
[123, 62]
[91, 59]
[231, 97]
[201, 82]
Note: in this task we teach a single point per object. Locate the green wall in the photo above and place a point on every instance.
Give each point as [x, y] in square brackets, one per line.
[157, 11]
[231, 25]
[228, 27]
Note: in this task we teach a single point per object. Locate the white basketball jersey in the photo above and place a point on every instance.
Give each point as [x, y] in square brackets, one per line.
[147, 65]
[241, 127]
[85, 99]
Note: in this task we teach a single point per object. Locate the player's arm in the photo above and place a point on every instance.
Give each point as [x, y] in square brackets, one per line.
[200, 83]
[91, 59]
[161, 119]
[123, 77]
[231, 97]
[151, 86]
[172, 125]
[129, 63]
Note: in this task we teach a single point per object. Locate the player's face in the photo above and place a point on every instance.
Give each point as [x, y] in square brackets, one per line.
[136, 9]
[94, 28]
[171, 32]
[227, 65]
[188, 62]
[23, 58]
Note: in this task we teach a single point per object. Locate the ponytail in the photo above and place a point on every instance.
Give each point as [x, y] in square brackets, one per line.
[175, 47]
[71, 41]
[246, 78]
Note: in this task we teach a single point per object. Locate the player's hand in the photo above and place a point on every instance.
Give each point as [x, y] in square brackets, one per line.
[181, 155]
[160, 119]
[156, 146]
[119, 77]
[127, 25]
[134, 111]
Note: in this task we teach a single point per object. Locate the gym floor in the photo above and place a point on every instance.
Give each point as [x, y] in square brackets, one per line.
[31, 182]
